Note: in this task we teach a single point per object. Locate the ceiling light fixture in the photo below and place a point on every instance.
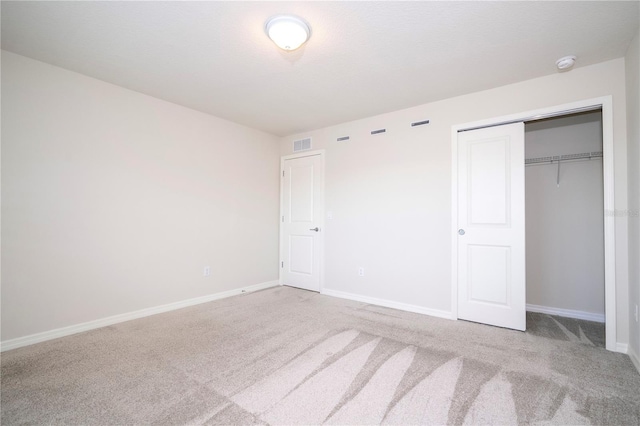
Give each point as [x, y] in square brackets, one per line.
[287, 32]
[565, 62]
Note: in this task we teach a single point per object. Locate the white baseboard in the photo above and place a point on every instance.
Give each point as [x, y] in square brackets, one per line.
[103, 322]
[588, 316]
[622, 347]
[387, 303]
[635, 359]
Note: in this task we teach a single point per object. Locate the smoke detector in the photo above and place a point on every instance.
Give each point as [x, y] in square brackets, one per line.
[565, 63]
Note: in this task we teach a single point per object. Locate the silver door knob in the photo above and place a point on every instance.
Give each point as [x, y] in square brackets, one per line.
[461, 231]
[314, 229]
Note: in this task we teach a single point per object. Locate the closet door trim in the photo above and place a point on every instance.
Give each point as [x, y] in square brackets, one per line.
[604, 103]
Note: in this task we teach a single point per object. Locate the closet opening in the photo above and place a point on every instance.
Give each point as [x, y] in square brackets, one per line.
[564, 227]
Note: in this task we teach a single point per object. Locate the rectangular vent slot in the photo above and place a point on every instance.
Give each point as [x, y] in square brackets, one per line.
[419, 123]
[344, 138]
[302, 145]
[375, 132]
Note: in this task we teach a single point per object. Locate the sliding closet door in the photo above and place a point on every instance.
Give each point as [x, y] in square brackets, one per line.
[491, 234]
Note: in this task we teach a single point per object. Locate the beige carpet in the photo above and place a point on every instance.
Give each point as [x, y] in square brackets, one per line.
[287, 356]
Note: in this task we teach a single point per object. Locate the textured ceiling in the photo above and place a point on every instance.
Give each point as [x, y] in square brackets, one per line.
[363, 58]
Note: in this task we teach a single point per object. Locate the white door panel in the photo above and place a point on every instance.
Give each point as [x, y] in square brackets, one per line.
[301, 180]
[491, 256]
[488, 182]
[484, 284]
[301, 254]
[302, 214]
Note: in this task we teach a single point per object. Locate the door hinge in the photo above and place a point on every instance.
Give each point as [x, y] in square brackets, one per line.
[282, 264]
[282, 219]
[283, 173]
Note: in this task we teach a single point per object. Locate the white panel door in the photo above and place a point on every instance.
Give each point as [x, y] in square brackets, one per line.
[491, 232]
[302, 213]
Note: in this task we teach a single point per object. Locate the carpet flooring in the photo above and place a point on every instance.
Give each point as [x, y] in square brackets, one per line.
[559, 328]
[288, 356]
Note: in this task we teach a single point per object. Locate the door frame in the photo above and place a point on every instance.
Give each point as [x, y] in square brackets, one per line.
[605, 103]
[321, 153]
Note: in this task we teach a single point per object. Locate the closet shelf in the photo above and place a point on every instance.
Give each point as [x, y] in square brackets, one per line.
[560, 158]
[566, 157]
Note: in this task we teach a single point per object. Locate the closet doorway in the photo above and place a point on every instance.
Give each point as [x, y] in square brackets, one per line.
[564, 210]
[572, 111]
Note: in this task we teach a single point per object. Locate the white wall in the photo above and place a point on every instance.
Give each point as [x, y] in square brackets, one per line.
[632, 62]
[113, 201]
[390, 194]
[565, 224]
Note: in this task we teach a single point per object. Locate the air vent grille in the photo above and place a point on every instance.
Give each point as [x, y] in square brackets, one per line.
[302, 145]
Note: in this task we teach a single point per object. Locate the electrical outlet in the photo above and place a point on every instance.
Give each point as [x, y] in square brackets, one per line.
[206, 271]
[361, 271]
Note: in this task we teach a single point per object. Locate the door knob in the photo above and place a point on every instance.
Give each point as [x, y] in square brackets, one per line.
[314, 229]
[461, 231]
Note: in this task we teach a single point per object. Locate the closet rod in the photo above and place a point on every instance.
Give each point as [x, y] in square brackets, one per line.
[566, 157]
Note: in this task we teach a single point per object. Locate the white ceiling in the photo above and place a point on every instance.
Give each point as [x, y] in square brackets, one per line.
[363, 58]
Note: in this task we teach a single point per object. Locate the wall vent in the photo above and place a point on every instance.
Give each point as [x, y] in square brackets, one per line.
[419, 123]
[343, 138]
[375, 132]
[302, 145]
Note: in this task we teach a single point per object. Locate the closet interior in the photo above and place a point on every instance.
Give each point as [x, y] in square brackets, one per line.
[565, 216]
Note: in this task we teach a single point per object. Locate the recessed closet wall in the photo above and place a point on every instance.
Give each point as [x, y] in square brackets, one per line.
[564, 215]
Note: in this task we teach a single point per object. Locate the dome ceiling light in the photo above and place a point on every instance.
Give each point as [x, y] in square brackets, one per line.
[287, 32]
